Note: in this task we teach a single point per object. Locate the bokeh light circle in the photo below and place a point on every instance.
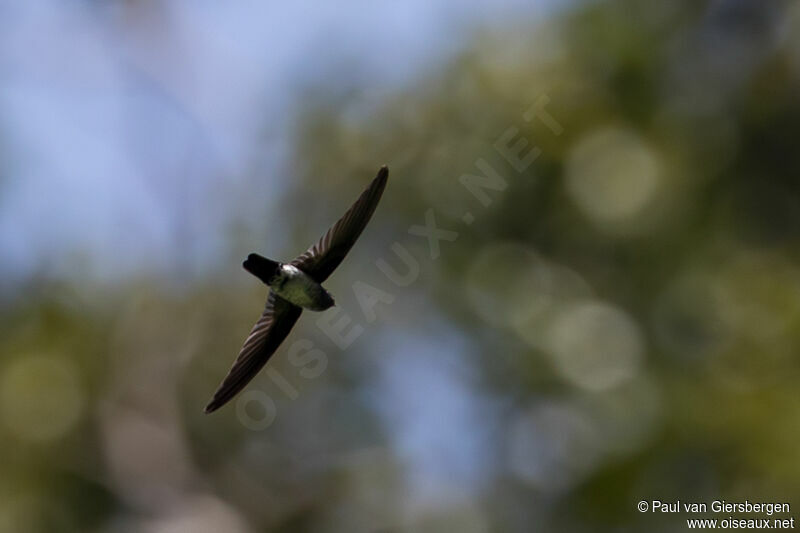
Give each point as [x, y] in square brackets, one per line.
[552, 446]
[564, 287]
[613, 176]
[508, 282]
[595, 346]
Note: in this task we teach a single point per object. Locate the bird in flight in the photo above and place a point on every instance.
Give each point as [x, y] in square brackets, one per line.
[294, 286]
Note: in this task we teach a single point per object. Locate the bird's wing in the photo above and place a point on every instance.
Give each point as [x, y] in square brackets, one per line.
[322, 258]
[269, 332]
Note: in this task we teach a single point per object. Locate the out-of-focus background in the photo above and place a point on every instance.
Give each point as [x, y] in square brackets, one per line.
[581, 289]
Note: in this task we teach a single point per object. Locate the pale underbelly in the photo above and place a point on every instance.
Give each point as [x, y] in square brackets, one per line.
[302, 293]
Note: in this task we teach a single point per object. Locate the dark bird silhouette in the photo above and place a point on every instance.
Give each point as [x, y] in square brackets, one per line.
[294, 286]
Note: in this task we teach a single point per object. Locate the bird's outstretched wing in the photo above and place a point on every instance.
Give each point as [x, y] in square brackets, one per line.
[322, 258]
[276, 322]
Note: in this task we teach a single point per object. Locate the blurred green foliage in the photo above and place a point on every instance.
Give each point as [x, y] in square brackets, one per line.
[660, 226]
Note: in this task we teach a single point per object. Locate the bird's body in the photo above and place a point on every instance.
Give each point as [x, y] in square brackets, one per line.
[298, 288]
[295, 286]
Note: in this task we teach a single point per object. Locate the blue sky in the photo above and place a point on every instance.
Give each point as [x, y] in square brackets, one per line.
[129, 130]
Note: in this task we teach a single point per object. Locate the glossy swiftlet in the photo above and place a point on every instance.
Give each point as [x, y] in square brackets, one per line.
[295, 286]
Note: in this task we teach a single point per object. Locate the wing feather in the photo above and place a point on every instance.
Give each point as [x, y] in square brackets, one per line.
[322, 258]
[268, 333]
